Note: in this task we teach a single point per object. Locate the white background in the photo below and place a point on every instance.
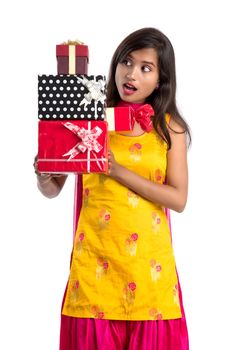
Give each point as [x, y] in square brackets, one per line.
[36, 233]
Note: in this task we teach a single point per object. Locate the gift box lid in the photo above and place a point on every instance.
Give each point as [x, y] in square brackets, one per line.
[81, 50]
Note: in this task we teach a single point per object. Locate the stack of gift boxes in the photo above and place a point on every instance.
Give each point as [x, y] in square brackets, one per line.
[73, 121]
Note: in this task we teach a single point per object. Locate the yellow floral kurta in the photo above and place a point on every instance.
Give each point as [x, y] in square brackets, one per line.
[123, 265]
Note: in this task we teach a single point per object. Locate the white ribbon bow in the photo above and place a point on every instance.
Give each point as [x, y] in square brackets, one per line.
[95, 92]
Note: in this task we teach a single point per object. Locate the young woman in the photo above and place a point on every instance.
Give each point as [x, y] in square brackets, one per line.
[123, 291]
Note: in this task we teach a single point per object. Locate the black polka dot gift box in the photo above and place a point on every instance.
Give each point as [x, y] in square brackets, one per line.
[77, 97]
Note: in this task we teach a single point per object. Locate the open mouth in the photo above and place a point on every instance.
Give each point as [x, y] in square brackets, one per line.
[129, 87]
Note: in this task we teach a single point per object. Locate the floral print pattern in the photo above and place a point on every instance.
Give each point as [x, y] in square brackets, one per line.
[74, 294]
[104, 218]
[155, 314]
[79, 243]
[129, 292]
[131, 244]
[96, 312]
[159, 177]
[155, 270]
[156, 221]
[102, 267]
[85, 197]
[135, 151]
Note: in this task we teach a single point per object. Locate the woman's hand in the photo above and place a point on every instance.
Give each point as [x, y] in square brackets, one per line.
[49, 185]
[43, 175]
[113, 166]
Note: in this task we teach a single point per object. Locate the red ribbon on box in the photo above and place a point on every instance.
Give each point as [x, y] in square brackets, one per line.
[122, 118]
[143, 116]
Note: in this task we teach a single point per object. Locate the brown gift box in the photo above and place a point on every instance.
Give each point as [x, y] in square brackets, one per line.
[72, 58]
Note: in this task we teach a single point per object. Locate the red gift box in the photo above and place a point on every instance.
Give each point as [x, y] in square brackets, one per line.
[72, 147]
[120, 118]
[72, 58]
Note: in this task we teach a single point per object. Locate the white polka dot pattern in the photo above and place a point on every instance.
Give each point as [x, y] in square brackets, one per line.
[71, 97]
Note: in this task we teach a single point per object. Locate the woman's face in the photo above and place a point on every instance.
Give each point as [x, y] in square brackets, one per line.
[137, 76]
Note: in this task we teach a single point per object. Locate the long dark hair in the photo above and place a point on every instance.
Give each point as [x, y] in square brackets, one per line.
[163, 99]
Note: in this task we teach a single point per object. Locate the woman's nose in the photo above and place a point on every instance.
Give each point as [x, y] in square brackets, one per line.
[131, 74]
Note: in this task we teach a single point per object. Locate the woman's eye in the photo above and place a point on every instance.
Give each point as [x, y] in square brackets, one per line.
[146, 69]
[127, 62]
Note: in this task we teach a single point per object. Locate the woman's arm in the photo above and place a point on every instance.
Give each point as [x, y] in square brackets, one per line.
[172, 195]
[49, 185]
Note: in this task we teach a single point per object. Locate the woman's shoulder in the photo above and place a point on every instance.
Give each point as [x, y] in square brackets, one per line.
[173, 125]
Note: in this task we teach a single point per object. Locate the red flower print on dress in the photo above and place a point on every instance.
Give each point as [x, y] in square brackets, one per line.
[132, 286]
[105, 265]
[107, 217]
[133, 199]
[86, 191]
[131, 244]
[86, 197]
[102, 267]
[156, 221]
[155, 270]
[96, 312]
[79, 243]
[159, 177]
[104, 218]
[155, 314]
[81, 236]
[135, 151]
[129, 292]
[134, 236]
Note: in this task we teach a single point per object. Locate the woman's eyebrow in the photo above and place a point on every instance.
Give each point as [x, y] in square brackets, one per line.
[148, 62]
[144, 62]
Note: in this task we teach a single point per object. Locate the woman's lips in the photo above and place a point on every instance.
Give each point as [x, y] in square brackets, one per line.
[129, 89]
